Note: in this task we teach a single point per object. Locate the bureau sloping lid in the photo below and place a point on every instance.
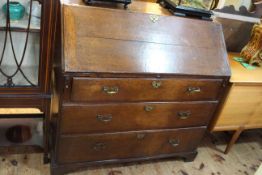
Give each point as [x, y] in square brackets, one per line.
[102, 40]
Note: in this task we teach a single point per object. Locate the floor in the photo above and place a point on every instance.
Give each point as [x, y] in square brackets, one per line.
[244, 159]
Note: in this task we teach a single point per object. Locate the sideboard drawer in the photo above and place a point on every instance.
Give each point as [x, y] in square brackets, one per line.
[99, 118]
[95, 147]
[132, 89]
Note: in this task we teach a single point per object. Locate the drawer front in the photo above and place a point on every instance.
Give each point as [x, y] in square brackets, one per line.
[131, 89]
[95, 147]
[116, 117]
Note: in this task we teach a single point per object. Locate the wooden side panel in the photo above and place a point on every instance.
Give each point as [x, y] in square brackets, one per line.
[242, 108]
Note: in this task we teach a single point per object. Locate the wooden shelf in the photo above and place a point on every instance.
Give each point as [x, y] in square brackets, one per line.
[20, 111]
[19, 25]
[14, 29]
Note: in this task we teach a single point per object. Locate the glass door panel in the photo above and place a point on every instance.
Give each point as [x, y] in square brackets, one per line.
[20, 43]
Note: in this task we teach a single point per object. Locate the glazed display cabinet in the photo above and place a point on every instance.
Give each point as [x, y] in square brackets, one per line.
[26, 45]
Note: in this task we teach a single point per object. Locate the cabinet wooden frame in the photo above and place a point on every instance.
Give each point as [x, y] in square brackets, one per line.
[37, 96]
[47, 32]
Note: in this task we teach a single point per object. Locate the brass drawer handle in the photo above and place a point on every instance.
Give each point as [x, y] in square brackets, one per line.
[184, 115]
[156, 84]
[173, 142]
[193, 90]
[149, 108]
[99, 146]
[140, 136]
[110, 90]
[104, 118]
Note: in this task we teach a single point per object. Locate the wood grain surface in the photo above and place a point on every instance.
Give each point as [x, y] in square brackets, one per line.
[126, 145]
[135, 89]
[99, 118]
[243, 159]
[243, 108]
[243, 75]
[122, 41]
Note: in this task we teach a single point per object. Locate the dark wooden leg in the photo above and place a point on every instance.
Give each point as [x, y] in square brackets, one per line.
[46, 158]
[88, 2]
[56, 171]
[47, 118]
[190, 157]
[233, 139]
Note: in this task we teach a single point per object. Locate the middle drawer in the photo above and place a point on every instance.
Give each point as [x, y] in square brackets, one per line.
[95, 118]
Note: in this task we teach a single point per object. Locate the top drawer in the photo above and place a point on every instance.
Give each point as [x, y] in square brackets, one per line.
[134, 89]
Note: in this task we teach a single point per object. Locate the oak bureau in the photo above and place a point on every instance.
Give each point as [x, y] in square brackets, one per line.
[133, 84]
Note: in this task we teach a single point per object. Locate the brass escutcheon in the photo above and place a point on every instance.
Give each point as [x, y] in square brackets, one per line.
[140, 136]
[99, 146]
[154, 18]
[148, 108]
[156, 84]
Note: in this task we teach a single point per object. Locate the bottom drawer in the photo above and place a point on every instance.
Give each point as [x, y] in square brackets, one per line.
[96, 147]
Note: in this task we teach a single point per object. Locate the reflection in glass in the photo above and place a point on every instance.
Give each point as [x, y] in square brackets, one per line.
[21, 131]
[20, 45]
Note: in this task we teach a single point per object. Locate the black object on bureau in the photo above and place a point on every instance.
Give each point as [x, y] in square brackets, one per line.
[125, 2]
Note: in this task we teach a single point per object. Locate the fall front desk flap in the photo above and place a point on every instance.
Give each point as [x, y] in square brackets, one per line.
[125, 41]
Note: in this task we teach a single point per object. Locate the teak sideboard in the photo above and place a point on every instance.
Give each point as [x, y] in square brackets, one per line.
[133, 85]
[242, 108]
